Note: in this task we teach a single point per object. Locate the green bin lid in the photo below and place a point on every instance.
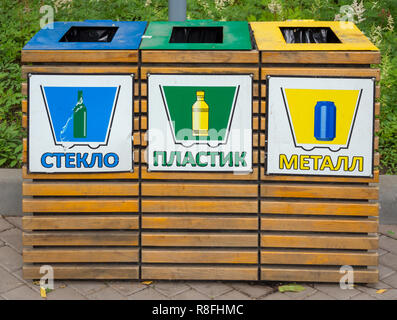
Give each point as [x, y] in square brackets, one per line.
[197, 35]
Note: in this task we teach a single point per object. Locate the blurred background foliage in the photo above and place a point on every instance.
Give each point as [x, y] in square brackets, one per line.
[20, 20]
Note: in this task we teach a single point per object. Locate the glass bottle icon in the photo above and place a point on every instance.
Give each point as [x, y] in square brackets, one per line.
[200, 116]
[80, 118]
[325, 121]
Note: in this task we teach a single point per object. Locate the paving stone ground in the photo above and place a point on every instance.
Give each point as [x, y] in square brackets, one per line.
[14, 287]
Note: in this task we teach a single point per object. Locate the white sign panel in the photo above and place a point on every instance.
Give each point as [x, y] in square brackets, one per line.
[80, 123]
[200, 123]
[320, 126]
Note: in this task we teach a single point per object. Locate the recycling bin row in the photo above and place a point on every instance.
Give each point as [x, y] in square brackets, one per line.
[201, 150]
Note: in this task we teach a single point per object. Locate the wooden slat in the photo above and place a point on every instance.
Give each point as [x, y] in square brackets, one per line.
[97, 222]
[376, 142]
[340, 241]
[143, 105]
[319, 191]
[74, 69]
[296, 71]
[80, 176]
[377, 92]
[321, 57]
[24, 121]
[59, 56]
[88, 271]
[315, 274]
[24, 106]
[264, 177]
[191, 239]
[199, 190]
[320, 208]
[199, 273]
[80, 238]
[198, 175]
[319, 224]
[196, 56]
[199, 222]
[199, 256]
[376, 159]
[197, 69]
[80, 255]
[80, 189]
[377, 125]
[377, 108]
[79, 205]
[227, 206]
[319, 257]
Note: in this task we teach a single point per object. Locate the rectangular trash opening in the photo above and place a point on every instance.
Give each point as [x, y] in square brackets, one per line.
[309, 35]
[197, 35]
[89, 34]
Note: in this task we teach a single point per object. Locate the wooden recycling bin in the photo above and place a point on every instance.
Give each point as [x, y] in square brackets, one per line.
[199, 225]
[311, 226]
[85, 225]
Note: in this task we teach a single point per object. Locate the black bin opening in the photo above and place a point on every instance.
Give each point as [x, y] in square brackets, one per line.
[196, 35]
[309, 35]
[89, 34]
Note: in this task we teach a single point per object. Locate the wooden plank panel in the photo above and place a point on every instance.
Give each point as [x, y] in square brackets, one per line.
[319, 191]
[198, 175]
[339, 241]
[296, 71]
[59, 56]
[80, 189]
[321, 57]
[196, 56]
[377, 92]
[143, 105]
[320, 208]
[89, 238]
[319, 224]
[59, 69]
[228, 206]
[197, 69]
[80, 176]
[191, 239]
[199, 190]
[24, 91]
[80, 205]
[352, 258]
[80, 255]
[89, 271]
[80, 222]
[199, 273]
[315, 274]
[199, 222]
[264, 177]
[199, 256]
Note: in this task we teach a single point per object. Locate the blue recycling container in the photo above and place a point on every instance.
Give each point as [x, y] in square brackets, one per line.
[325, 121]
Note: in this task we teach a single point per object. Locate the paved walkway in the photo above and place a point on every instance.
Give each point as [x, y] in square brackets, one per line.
[12, 286]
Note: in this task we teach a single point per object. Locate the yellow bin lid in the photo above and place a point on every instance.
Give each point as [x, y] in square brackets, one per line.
[269, 37]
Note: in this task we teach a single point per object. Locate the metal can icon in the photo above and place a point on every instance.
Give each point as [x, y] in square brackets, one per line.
[325, 121]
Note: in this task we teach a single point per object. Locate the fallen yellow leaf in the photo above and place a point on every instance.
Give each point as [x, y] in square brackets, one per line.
[43, 292]
[62, 286]
[147, 282]
[36, 283]
[380, 291]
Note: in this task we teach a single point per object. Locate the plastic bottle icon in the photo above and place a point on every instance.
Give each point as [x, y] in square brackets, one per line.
[80, 118]
[325, 121]
[200, 116]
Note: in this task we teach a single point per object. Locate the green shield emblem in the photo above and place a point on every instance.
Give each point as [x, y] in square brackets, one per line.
[199, 114]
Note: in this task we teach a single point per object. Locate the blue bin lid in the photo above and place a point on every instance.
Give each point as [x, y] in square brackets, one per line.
[127, 37]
